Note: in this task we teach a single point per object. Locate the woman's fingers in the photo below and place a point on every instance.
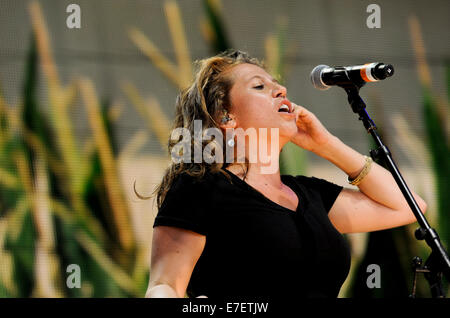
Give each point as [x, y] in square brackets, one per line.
[304, 116]
[297, 108]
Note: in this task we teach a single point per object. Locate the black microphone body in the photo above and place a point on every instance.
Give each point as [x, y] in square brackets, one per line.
[323, 76]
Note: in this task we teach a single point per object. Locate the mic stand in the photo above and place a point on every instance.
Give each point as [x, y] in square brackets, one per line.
[438, 263]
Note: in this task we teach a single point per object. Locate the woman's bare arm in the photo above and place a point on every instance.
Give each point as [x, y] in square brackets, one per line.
[175, 252]
[379, 203]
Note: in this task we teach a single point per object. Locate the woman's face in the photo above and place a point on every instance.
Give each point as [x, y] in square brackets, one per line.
[257, 101]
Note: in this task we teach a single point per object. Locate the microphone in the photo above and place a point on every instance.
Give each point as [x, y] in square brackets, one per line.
[324, 76]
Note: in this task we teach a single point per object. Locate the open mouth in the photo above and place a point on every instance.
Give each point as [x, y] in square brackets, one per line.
[285, 106]
[284, 109]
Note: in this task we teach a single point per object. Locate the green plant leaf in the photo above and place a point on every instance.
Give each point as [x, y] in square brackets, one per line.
[221, 42]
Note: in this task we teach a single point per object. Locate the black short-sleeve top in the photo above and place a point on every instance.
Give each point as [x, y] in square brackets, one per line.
[255, 247]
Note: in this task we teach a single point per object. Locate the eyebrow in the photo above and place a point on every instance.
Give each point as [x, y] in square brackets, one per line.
[274, 80]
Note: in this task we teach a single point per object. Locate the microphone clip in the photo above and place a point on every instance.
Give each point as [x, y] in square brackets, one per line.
[353, 97]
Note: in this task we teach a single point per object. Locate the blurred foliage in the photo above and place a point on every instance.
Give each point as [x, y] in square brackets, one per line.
[214, 30]
[60, 204]
[439, 146]
[436, 111]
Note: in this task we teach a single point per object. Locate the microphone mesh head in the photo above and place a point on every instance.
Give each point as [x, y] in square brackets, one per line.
[316, 77]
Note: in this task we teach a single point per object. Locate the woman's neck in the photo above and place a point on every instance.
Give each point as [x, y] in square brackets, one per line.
[255, 173]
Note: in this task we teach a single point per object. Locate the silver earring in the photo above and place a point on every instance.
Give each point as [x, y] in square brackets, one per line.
[230, 142]
[225, 119]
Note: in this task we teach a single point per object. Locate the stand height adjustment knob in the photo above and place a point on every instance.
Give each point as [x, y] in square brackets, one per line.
[416, 262]
[374, 153]
[420, 233]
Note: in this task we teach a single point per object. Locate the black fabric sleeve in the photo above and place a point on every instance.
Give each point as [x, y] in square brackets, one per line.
[185, 205]
[327, 190]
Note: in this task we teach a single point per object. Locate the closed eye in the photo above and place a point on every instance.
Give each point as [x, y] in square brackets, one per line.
[259, 87]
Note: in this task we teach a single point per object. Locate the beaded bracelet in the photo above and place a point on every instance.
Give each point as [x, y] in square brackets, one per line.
[363, 172]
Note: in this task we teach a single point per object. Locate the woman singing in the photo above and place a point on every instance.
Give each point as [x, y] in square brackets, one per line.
[237, 227]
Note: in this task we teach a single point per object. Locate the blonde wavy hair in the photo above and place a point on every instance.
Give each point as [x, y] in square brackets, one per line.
[206, 99]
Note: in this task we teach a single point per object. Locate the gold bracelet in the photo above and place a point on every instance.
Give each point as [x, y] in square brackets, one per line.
[363, 172]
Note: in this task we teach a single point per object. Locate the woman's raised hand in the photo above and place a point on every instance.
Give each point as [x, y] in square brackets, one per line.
[311, 134]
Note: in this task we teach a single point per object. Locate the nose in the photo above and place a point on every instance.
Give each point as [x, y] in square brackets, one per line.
[279, 91]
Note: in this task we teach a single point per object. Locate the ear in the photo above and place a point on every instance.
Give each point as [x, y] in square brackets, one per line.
[230, 123]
